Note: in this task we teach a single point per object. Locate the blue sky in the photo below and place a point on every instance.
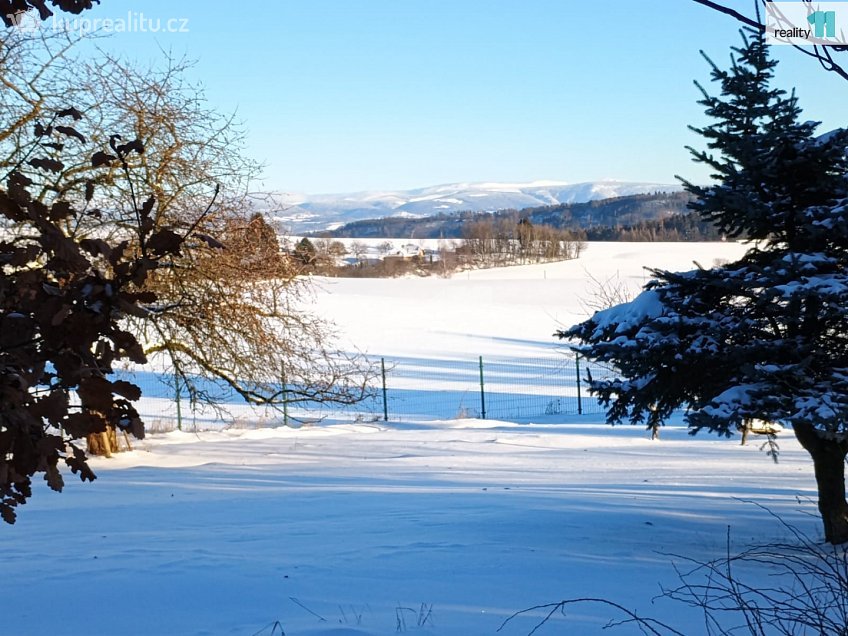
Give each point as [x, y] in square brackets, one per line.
[347, 95]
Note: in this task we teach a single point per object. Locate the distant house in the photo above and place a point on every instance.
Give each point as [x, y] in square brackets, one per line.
[408, 252]
[405, 254]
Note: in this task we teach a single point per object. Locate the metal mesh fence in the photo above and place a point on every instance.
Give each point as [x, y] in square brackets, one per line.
[491, 387]
[408, 389]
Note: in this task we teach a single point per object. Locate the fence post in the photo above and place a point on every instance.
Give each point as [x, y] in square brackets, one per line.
[385, 398]
[178, 399]
[285, 397]
[482, 391]
[579, 397]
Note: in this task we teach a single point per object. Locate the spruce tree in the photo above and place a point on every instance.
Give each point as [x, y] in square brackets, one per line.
[766, 336]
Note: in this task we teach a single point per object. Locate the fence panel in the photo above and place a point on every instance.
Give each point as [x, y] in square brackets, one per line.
[432, 389]
[530, 387]
[408, 389]
[493, 387]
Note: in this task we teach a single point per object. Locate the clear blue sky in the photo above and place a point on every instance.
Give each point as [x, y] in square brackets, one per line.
[345, 95]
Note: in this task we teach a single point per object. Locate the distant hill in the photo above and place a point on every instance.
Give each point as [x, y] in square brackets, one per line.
[299, 214]
[649, 212]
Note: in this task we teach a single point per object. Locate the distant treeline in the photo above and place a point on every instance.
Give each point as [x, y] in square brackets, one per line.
[615, 212]
[510, 240]
[486, 242]
[661, 216]
[680, 227]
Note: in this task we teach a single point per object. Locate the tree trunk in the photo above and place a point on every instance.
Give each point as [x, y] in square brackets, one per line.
[104, 443]
[829, 464]
[746, 428]
[655, 431]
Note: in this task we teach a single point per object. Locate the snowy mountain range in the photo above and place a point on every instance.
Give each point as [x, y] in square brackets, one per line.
[300, 213]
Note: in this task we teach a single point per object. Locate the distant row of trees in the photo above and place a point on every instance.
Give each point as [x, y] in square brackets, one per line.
[505, 241]
[499, 227]
[679, 227]
[662, 216]
[331, 257]
[489, 242]
[625, 211]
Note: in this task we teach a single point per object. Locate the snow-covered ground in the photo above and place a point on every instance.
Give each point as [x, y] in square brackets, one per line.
[494, 311]
[431, 527]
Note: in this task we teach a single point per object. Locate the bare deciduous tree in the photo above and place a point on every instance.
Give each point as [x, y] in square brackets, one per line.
[607, 292]
[238, 317]
[359, 250]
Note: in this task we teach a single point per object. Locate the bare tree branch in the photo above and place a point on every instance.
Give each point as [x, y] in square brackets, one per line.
[824, 55]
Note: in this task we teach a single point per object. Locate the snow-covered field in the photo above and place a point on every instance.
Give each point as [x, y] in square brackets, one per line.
[430, 527]
[500, 311]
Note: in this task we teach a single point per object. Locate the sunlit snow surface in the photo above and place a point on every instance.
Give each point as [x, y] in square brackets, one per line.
[372, 527]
